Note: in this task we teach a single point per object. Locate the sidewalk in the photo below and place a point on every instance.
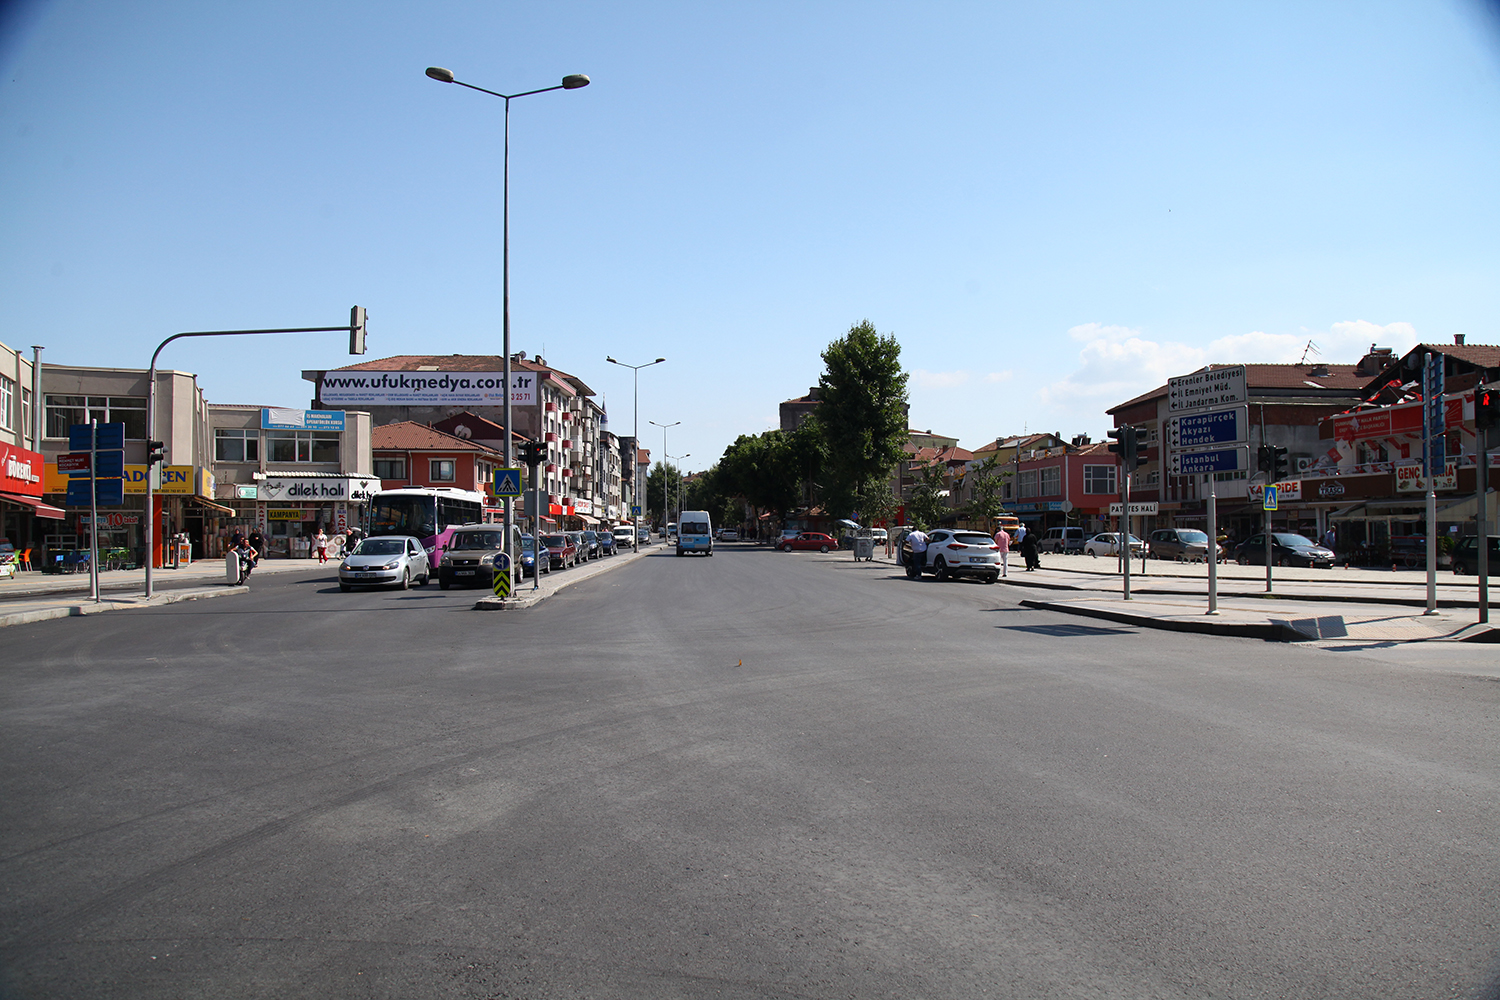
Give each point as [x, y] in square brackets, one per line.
[35, 597]
[1375, 605]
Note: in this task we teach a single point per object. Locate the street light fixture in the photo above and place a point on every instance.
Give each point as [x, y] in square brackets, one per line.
[664, 468]
[679, 487]
[573, 81]
[635, 465]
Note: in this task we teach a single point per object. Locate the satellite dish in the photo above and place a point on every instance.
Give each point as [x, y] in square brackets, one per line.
[462, 431]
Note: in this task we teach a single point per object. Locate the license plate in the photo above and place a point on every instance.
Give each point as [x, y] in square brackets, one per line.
[977, 559]
[363, 575]
[463, 572]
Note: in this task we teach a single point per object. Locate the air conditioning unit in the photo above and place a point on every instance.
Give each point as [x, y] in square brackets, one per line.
[1301, 464]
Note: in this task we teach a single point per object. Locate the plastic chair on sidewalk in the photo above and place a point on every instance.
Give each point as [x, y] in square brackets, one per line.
[25, 560]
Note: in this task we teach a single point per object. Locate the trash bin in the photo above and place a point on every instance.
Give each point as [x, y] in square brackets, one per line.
[864, 548]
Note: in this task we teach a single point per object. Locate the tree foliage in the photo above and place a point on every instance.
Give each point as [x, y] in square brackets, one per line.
[768, 470]
[663, 478]
[928, 505]
[985, 480]
[862, 415]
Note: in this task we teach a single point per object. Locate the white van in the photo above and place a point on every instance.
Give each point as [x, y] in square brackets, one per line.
[695, 532]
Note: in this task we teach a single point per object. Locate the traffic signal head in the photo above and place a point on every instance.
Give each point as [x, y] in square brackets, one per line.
[1138, 438]
[1486, 408]
[357, 330]
[1279, 467]
[156, 451]
[1264, 458]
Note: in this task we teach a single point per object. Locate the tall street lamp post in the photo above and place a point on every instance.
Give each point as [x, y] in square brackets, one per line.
[664, 468]
[635, 465]
[679, 487]
[571, 82]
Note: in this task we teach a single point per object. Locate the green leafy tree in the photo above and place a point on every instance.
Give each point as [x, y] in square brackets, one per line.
[875, 502]
[862, 416]
[663, 477]
[985, 480]
[928, 506]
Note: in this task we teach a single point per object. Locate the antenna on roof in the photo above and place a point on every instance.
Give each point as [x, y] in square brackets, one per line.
[1311, 348]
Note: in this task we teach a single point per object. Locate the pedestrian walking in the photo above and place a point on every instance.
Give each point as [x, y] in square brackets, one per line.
[258, 543]
[320, 545]
[1020, 535]
[1029, 551]
[1002, 542]
[1329, 538]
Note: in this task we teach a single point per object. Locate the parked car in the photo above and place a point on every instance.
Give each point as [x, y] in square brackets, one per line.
[787, 534]
[470, 552]
[588, 544]
[1181, 544]
[1108, 543]
[879, 536]
[561, 550]
[808, 541]
[729, 534]
[1287, 549]
[578, 543]
[606, 542]
[643, 536]
[953, 553]
[383, 561]
[1062, 539]
[624, 537]
[1466, 556]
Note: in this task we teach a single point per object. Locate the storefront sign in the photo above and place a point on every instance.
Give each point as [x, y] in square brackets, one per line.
[370, 388]
[274, 418]
[1287, 492]
[358, 489]
[1392, 421]
[1409, 479]
[1331, 490]
[175, 479]
[246, 492]
[21, 471]
[283, 514]
[1143, 509]
[113, 519]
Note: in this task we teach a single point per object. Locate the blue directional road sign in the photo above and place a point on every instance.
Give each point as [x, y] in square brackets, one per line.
[507, 482]
[1202, 463]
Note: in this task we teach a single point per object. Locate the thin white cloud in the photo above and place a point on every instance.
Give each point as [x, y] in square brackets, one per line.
[939, 380]
[993, 377]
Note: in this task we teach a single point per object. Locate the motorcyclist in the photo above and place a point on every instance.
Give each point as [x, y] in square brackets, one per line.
[248, 558]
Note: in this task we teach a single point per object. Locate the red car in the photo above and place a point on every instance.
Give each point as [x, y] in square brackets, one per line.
[809, 541]
[560, 550]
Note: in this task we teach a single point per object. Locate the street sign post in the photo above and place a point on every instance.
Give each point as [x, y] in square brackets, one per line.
[501, 583]
[508, 483]
[1268, 500]
[1211, 387]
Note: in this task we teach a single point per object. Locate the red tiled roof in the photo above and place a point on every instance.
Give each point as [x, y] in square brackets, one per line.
[1259, 376]
[409, 435]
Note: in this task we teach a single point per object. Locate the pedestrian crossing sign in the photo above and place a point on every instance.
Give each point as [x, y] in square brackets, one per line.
[507, 482]
[1268, 502]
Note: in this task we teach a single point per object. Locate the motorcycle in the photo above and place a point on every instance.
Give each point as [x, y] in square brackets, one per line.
[247, 560]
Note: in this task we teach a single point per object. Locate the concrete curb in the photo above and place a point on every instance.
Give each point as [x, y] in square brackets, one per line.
[1269, 631]
[526, 597]
[79, 610]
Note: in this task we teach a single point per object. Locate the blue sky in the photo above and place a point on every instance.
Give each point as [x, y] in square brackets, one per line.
[1053, 207]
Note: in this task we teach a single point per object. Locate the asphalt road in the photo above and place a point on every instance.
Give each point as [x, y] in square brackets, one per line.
[757, 775]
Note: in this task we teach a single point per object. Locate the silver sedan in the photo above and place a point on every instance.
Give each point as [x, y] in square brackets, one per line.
[383, 561]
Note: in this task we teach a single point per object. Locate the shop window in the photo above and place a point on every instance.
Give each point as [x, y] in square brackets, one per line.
[64, 411]
[390, 468]
[442, 470]
[236, 445]
[1099, 480]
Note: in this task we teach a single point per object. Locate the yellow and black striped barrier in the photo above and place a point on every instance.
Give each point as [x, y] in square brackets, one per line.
[502, 582]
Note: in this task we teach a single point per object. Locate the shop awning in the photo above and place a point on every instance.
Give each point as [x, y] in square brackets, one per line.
[41, 508]
[203, 501]
[588, 520]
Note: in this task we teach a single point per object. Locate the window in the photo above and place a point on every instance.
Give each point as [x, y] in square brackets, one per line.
[302, 447]
[1099, 479]
[1051, 481]
[390, 468]
[1026, 483]
[26, 411]
[7, 402]
[64, 411]
[442, 470]
[234, 445]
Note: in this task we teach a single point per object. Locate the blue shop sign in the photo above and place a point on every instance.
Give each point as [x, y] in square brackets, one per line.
[275, 418]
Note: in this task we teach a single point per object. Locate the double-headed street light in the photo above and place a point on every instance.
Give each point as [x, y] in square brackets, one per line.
[664, 427]
[635, 465]
[571, 82]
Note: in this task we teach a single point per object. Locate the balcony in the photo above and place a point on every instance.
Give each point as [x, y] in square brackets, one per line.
[549, 436]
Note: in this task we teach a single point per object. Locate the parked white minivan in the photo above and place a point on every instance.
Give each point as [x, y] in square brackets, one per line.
[695, 532]
[1062, 540]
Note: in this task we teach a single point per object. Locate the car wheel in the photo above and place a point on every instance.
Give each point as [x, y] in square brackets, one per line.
[991, 578]
[1094, 553]
[822, 548]
[442, 582]
[1242, 560]
[344, 587]
[405, 579]
[940, 569]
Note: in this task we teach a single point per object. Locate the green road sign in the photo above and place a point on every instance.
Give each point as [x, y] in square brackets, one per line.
[507, 482]
[1269, 503]
[502, 575]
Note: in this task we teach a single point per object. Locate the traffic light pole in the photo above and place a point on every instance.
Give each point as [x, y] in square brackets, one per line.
[356, 330]
[1484, 416]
